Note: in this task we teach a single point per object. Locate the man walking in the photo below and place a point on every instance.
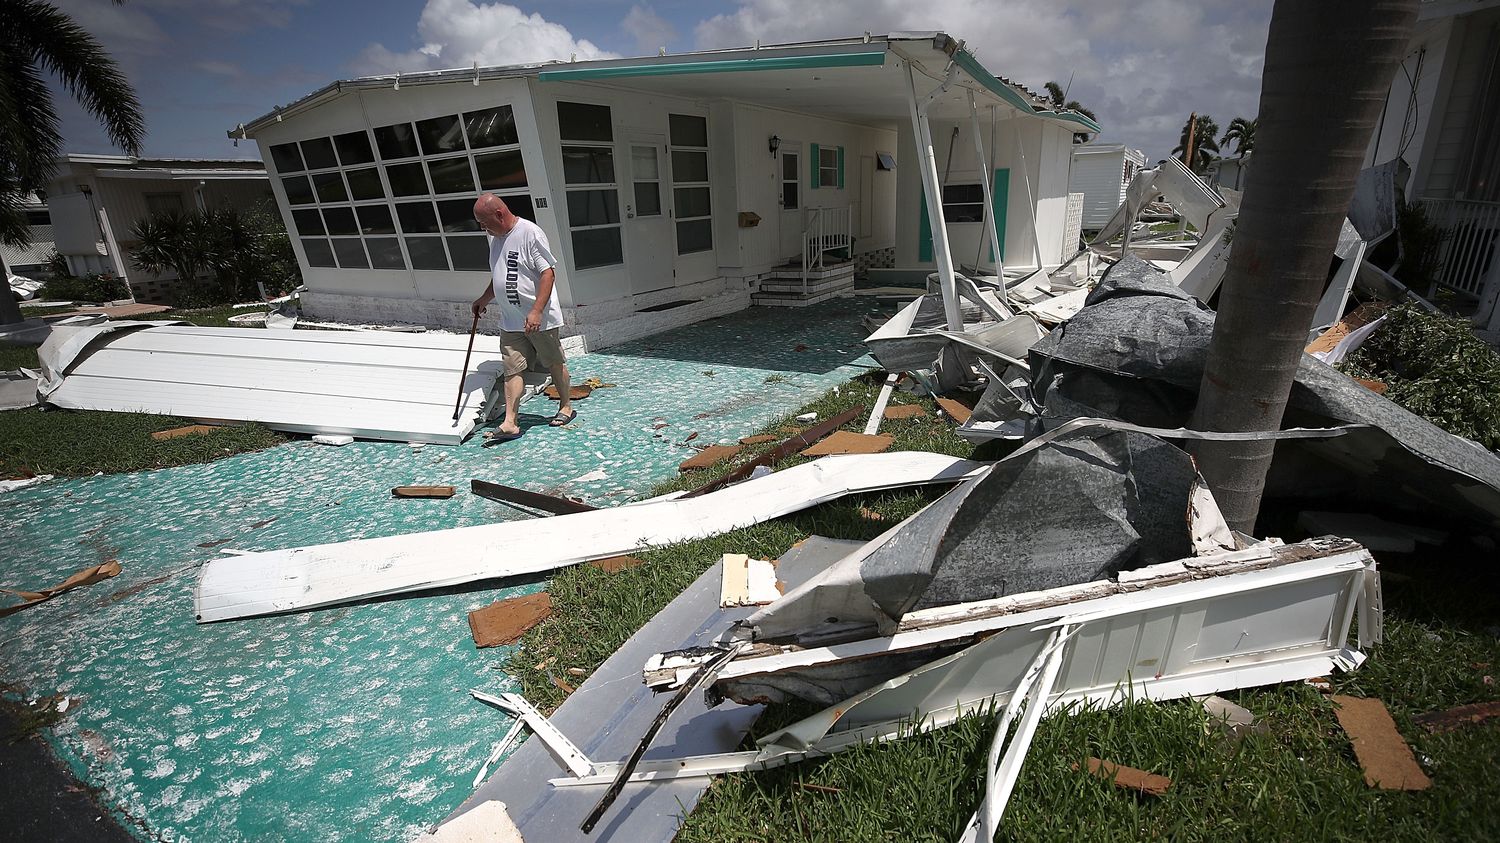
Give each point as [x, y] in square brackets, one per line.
[522, 280]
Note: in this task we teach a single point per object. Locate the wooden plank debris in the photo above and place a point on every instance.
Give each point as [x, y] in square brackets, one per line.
[1129, 777]
[576, 393]
[423, 491]
[782, 450]
[554, 504]
[1383, 754]
[905, 411]
[87, 576]
[176, 432]
[709, 457]
[958, 411]
[614, 564]
[1458, 717]
[760, 439]
[849, 442]
[747, 582]
[505, 621]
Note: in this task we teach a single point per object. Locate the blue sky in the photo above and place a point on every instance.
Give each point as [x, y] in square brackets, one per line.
[202, 66]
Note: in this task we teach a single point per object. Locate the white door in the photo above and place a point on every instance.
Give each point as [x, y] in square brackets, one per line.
[648, 229]
[866, 196]
[790, 199]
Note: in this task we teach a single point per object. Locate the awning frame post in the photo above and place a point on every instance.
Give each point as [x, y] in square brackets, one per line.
[989, 229]
[1036, 234]
[941, 253]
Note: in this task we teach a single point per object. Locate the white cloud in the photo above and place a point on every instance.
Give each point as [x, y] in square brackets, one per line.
[457, 33]
[1142, 68]
[650, 30]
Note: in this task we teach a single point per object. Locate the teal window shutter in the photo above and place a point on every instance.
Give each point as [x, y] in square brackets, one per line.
[814, 158]
[841, 168]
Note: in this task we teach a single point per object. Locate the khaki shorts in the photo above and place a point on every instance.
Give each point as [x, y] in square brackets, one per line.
[518, 349]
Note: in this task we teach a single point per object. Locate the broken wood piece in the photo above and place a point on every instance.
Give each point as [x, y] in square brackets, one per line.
[87, 576]
[562, 685]
[1383, 754]
[905, 411]
[1457, 717]
[555, 504]
[190, 430]
[423, 491]
[747, 582]
[958, 411]
[505, 621]
[575, 393]
[758, 440]
[1377, 387]
[1358, 318]
[780, 451]
[1129, 777]
[710, 456]
[849, 442]
[615, 563]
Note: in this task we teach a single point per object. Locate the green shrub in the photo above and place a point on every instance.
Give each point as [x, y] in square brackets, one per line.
[1434, 366]
[95, 287]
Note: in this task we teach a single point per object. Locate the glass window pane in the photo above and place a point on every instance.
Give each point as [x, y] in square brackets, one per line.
[375, 219]
[643, 163]
[491, 127]
[318, 153]
[406, 179]
[689, 166]
[340, 220]
[588, 165]
[520, 205]
[365, 184]
[440, 134]
[458, 215]
[354, 148]
[789, 169]
[578, 121]
[451, 175]
[351, 253]
[298, 190]
[593, 207]
[597, 247]
[647, 199]
[318, 252]
[687, 130]
[789, 194]
[469, 252]
[828, 156]
[308, 222]
[385, 253]
[963, 213]
[695, 236]
[330, 187]
[691, 201]
[286, 157]
[396, 141]
[417, 218]
[500, 170]
[963, 193]
[427, 253]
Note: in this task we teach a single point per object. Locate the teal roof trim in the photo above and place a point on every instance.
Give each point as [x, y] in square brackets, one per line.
[971, 66]
[866, 58]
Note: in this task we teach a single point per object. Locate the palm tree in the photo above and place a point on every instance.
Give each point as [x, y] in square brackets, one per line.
[37, 40]
[1294, 204]
[1241, 133]
[1200, 129]
[1060, 101]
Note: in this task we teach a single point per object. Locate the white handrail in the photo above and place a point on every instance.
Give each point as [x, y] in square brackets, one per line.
[1470, 228]
[824, 230]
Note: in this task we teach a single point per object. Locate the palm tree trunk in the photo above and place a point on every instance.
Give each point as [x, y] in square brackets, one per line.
[10, 309]
[1295, 201]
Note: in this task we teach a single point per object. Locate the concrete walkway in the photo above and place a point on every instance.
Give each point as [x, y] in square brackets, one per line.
[352, 723]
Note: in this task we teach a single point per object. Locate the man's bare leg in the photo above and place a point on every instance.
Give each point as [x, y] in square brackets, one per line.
[564, 383]
[515, 387]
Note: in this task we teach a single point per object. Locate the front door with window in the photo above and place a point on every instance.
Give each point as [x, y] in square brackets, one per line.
[790, 242]
[648, 229]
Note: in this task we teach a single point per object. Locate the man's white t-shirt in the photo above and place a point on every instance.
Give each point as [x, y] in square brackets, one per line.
[517, 262]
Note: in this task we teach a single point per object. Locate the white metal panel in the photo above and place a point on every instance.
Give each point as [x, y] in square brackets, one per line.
[378, 385]
[329, 574]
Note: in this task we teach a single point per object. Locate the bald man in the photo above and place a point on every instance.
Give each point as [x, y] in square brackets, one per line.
[522, 280]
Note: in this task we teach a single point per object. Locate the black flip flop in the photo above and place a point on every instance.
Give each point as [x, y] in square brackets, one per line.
[503, 437]
[561, 420]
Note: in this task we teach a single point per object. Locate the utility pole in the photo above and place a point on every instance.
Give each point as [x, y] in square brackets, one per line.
[1187, 154]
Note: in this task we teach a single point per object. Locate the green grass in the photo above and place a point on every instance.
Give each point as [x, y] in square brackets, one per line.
[73, 443]
[1297, 780]
[204, 317]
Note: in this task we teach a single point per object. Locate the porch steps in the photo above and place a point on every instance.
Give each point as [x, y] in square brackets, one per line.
[784, 287]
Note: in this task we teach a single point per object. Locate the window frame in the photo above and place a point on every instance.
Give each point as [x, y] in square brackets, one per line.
[706, 184]
[610, 187]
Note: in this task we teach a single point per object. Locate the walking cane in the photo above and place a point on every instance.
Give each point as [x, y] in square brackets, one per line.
[457, 402]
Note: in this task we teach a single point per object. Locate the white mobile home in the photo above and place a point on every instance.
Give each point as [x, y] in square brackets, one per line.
[1100, 173]
[672, 188]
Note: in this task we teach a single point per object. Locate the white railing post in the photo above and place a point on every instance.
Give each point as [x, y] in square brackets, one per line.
[1488, 313]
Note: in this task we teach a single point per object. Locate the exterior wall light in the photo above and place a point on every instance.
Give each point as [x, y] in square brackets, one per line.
[775, 144]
